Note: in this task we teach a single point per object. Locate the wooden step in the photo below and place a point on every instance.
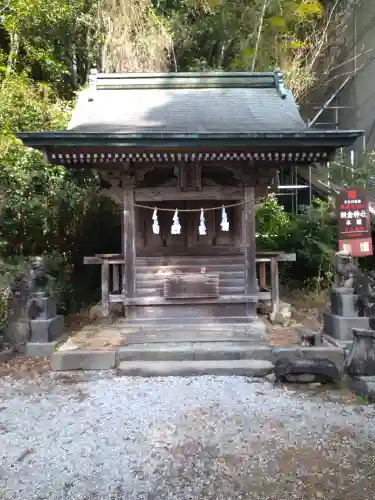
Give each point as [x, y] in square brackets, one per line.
[223, 275]
[191, 268]
[159, 291]
[186, 261]
[157, 283]
[223, 324]
[161, 301]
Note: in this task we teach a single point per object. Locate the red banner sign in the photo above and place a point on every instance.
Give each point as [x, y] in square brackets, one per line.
[357, 247]
[354, 222]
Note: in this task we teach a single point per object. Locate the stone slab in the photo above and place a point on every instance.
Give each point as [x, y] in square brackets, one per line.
[46, 330]
[189, 351]
[83, 360]
[248, 368]
[340, 327]
[335, 354]
[40, 349]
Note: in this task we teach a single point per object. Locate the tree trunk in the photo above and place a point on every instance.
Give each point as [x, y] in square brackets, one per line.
[13, 53]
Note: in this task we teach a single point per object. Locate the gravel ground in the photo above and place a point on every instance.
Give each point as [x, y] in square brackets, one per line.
[100, 436]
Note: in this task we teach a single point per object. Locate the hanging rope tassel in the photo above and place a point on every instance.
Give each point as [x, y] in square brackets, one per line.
[224, 220]
[202, 225]
[176, 227]
[155, 224]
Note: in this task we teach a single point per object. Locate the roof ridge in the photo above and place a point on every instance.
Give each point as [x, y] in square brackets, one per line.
[187, 80]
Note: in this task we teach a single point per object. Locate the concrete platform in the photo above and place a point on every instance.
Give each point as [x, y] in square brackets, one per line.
[244, 367]
[83, 360]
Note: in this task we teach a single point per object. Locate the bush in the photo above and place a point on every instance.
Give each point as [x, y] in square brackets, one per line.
[311, 234]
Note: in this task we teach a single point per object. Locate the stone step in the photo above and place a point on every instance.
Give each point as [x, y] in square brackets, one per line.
[176, 331]
[243, 367]
[194, 351]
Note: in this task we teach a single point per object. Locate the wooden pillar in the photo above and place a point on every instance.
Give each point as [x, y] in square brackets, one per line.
[262, 275]
[128, 242]
[275, 286]
[116, 278]
[251, 284]
[105, 287]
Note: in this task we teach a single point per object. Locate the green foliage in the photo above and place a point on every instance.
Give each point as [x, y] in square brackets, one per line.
[272, 224]
[54, 41]
[359, 174]
[44, 209]
[29, 106]
[311, 234]
[222, 34]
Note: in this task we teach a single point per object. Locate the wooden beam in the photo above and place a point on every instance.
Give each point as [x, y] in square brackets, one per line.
[92, 260]
[204, 251]
[172, 194]
[251, 285]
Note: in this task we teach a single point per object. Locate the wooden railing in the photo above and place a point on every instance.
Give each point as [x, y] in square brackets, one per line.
[112, 271]
[272, 259]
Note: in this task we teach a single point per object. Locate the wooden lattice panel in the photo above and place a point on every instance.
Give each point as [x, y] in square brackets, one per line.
[191, 286]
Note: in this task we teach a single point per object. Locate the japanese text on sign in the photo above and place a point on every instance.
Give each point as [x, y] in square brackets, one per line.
[353, 214]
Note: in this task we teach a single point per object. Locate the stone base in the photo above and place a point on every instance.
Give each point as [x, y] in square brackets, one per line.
[46, 330]
[364, 387]
[40, 349]
[79, 359]
[340, 327]
[343, 302]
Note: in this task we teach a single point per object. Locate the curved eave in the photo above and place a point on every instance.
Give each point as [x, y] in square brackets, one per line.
[327, 139]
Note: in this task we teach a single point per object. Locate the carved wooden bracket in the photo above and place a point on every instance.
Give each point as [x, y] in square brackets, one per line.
[141, 172]
[190, 177]
[114, 184]
[238, 171]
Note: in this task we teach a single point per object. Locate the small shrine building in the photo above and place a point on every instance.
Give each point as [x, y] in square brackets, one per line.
[187, 155]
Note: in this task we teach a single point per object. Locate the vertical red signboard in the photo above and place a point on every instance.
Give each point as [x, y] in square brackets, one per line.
[354, 223]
